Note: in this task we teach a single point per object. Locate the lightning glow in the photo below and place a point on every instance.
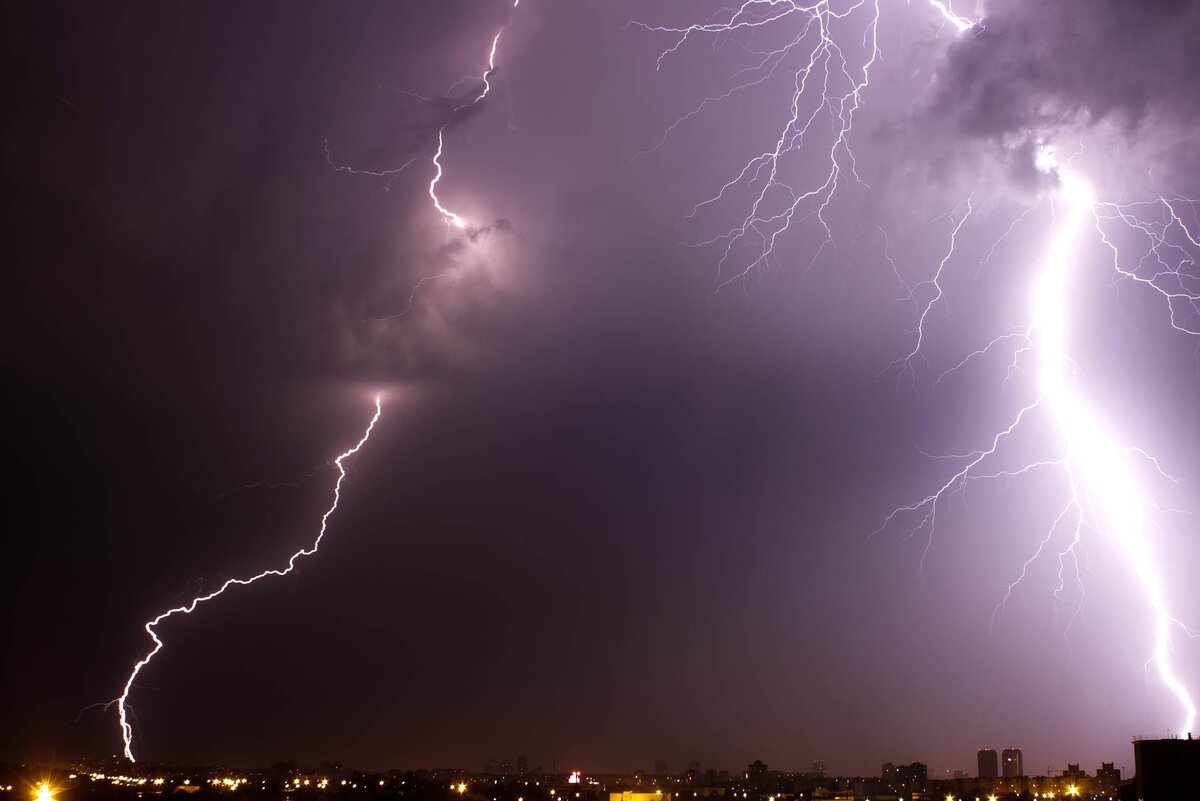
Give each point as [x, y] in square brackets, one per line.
[451, 217]
[829, 51]
[1095, 455]
[122, 701]
[1103, 486]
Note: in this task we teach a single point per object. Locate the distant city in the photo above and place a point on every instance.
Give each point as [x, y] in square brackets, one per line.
[1164, 770]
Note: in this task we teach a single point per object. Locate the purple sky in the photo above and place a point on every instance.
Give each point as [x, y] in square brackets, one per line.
[609, 515]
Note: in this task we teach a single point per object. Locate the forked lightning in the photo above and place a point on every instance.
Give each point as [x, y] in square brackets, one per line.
[827, 91]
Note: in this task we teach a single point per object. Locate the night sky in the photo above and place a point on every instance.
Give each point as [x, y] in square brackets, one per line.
[611, 513]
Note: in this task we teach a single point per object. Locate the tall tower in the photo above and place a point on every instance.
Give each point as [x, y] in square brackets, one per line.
[1014, 767]
[989, 765]
[1166, 769]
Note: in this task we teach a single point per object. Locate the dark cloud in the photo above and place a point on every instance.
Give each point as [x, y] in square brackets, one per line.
[1040, 67]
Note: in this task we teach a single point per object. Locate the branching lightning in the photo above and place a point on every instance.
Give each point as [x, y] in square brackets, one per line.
[827, 91]
[151, 626]
[1103, 493]
[451, 217]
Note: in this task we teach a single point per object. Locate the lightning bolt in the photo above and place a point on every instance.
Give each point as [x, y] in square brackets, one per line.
[826, 94]
[451, 217]
[1102, 484]
[826, 90]
[151, 626]
[1103, 491]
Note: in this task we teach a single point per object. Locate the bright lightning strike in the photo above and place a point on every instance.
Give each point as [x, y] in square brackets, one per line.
[151, 626]
[451, 217]
[829, 54]
[962, 24]
[1095, 455]
[1103, 488]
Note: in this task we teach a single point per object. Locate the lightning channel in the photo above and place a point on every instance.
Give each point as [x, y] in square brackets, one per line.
[452, 217]
[1102, 485]
[151, 626]
[828, 54]
[455, 221]
[827, 87]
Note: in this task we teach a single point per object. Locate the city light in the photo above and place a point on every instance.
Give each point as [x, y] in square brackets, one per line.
[44, 793]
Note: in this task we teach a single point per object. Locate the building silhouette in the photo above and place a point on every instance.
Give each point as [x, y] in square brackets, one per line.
[756, 775]
[913, 777]
[1014, 766]
[1167, 770]
[989, 763]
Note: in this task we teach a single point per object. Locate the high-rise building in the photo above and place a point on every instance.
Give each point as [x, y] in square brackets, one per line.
[489, 767]
[660, 767]
[819, 768]
[756, 774]
[912, 777]
[1108, 776]
[989, 764]
[888, 775]
[1166, 769]
[1014, 766]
